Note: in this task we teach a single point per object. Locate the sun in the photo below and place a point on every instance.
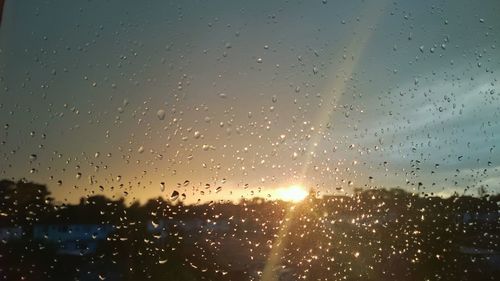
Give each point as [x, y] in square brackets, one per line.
[293, 193]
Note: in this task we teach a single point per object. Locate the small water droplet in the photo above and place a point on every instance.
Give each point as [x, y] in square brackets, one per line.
[174, 195]
[160, 114]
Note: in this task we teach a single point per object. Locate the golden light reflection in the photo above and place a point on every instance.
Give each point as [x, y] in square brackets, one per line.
[357, 45]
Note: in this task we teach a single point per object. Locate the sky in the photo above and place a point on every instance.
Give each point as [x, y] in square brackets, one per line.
[224, 99]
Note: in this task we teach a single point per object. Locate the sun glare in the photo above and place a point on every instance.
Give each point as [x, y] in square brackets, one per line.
[293, 193]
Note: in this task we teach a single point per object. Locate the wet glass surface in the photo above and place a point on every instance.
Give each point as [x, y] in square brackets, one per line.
[249, 140]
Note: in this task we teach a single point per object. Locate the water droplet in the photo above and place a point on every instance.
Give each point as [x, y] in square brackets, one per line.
[174, 195]
[154, 224]
[160, 114]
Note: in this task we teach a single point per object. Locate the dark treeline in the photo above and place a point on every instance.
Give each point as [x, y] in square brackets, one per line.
[373, 234]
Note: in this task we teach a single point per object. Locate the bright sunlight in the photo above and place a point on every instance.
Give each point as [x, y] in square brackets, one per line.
[293, 193]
